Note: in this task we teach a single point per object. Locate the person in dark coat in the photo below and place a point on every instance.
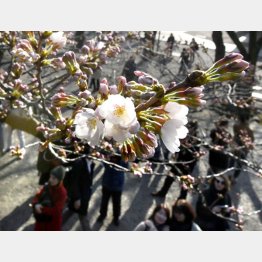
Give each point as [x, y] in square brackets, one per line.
[184, 62]
[112, 186]
[213, 205]
[48, 204]
[183, 216]
[129, 69]
[170, 44]
[79, 182]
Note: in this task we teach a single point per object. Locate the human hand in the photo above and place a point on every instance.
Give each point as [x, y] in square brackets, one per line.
[38, 208]
[77, 204]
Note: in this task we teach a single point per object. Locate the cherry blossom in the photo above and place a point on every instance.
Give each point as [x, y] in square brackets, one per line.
[89, 127]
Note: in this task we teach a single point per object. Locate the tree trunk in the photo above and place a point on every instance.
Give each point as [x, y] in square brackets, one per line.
[220, 47]
[239, 45]
[252, 47]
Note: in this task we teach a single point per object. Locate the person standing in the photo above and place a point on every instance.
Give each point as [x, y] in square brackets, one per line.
[78, 182]
[49, 202]
[170, 44]
[194, 47]
[184, 62]
[112, 186]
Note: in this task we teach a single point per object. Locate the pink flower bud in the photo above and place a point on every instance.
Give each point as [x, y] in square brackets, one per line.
[103, 89]
[113, 90]
[85, 94]
[85, 49]
[122, 80]
[104, 81]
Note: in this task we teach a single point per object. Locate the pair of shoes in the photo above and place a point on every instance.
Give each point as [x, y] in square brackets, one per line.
[116, 221]
[100, 219]
[158, 193]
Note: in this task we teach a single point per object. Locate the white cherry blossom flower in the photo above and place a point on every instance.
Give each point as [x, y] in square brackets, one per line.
[174, 129]
[58, 39]
[177, 111]
[89, 127]
[118, 133]
[118, 110]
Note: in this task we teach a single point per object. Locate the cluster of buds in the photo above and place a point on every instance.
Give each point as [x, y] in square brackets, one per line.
[24, 52]
[189, 96]
[133, 113]
[187, 182]
[8, 38]
[231, 67]
[141, 145]
[18, 88]
[16, 70]
[61, 99]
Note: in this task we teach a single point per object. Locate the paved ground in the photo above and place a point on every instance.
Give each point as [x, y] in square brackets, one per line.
[18, 178]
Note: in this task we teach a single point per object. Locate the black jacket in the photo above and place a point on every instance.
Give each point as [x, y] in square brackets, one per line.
[78, 182]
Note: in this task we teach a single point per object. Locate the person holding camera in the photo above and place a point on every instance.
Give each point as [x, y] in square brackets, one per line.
[48, 204]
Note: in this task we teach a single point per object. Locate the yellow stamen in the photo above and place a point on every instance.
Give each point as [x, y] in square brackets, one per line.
[119, 111]
[91, 123]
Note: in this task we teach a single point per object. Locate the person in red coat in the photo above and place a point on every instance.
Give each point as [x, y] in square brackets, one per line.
[48, 204]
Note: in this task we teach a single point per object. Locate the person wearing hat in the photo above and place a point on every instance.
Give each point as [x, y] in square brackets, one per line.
[48, 204]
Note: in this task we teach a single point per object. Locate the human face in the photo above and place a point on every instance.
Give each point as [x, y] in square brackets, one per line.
[160, 217]
[53, 180]
[180, 217]
[219, 183]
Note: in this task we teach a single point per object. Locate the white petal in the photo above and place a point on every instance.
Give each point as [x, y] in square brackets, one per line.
[108, 129]
[115, 131]
[100, 128]
[102, 110]
[82, 117]
[171, 131]
[82, 132]
[120, 135]
[177, 111]
[182, 132]
[95, 139]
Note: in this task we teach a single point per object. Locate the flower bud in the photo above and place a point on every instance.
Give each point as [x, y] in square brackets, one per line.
[103, 89]
[69, 58]
[113, 90]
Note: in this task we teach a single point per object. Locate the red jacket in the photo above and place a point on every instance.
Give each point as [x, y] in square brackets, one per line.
[59, 196]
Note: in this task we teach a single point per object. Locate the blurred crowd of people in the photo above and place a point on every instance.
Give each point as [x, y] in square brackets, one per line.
[69, 186]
